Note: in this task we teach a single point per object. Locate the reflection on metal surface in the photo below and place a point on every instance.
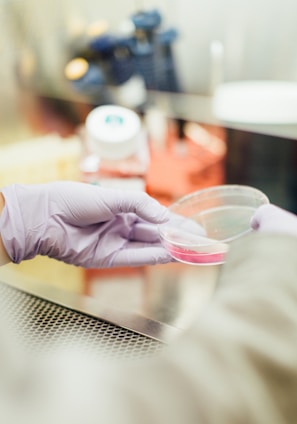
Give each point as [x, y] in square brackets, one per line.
[160, 305]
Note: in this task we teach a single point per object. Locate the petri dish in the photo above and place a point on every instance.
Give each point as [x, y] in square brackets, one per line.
[204, 223]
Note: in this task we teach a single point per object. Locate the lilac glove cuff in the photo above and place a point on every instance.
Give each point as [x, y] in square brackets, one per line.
[20, 243]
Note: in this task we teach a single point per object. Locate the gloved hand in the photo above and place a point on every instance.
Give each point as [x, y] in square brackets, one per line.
[82, 224]
[271, 218]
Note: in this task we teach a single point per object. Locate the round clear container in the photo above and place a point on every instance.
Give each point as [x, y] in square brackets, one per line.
[204, 223]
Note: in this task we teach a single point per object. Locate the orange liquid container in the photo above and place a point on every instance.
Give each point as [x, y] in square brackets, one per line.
[187, 164]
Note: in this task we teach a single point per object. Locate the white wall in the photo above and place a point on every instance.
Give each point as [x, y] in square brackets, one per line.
[259, 37]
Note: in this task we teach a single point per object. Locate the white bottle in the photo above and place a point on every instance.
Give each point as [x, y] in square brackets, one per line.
[117, 153]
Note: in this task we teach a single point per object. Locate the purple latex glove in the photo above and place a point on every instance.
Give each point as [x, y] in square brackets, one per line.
[271, 218]
[82, 224]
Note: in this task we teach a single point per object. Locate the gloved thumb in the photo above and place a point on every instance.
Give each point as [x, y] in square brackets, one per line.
[272, 218]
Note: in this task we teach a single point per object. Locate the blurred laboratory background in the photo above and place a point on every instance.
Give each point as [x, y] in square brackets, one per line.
[164, 59]
[173, 64]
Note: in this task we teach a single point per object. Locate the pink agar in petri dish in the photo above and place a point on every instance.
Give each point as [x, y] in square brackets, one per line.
[192, 257]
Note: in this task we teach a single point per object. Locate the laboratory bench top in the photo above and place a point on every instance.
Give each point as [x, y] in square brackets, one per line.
[155, 301]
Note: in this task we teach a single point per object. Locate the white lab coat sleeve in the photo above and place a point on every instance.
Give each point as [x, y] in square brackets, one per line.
[236, 364]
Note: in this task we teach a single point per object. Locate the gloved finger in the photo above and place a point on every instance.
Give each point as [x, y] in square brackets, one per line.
[259, 214]
[273, 218]
[270, 215]
[89, 204]
[139, 255]
[139, 203]
[183, 230]
[145, 232]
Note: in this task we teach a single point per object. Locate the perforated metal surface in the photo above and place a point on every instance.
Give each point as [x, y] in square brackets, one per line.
[42, 324]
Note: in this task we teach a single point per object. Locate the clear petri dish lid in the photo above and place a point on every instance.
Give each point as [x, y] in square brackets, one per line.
[207, 221]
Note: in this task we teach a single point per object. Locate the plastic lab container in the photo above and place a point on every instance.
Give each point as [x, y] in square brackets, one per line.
[204, 223]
